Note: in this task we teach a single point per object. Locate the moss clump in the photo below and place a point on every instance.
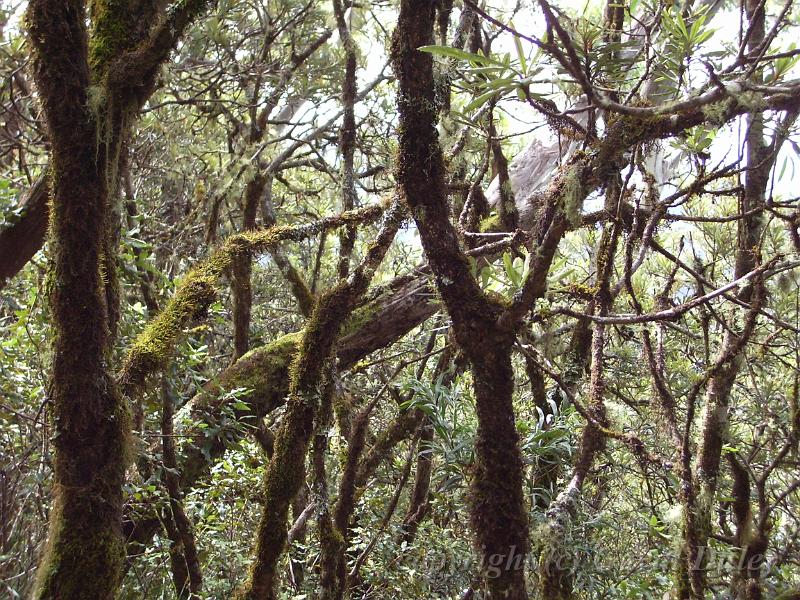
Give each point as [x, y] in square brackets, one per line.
[154, 346]
[581, 290]
[490, 224]
[262, 370]
[716, 113]
[572, 194]
[360, 317]
[111, 32]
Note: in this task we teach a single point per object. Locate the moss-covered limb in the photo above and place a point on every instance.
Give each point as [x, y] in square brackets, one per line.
[265, 371]
[134, 71]
[198, 289]
[390, 313]
[420, 166]
[283, 476]
[760, 160]
[84, 551]
[297, 284]
[332, 544]
[118, 26]
[242, 267]
[153, 347]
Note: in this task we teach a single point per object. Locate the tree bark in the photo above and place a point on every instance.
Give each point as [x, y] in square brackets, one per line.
[498, 514]
[24, 238]
[759, 159]
[85, 548]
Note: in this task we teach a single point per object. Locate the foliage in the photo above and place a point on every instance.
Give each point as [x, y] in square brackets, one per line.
[651, 130]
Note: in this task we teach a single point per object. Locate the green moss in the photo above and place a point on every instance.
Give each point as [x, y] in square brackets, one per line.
[320, 333]
[155, 344]
[101, 549]
[261, 368]
[490, 224]
[716, 113]
[113, 26]
[81, 550]
[572, 194]
[361, 317]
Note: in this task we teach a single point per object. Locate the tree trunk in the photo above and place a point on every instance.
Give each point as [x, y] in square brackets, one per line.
[498, 514]
[85, 548]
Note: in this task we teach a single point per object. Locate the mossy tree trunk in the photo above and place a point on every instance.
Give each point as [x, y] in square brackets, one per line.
[556, 565]
[760, 159]
[347, 136]
[86, 117]
[498, 514]
[85, 549]
[241, 272]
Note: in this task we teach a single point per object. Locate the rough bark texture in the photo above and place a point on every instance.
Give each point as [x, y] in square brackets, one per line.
[497, 513]
[87, 117]
[85, 549]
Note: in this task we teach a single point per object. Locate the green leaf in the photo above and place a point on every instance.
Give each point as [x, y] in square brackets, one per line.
[523, 63]
[450, 52]
[480, 101]
[511, 271]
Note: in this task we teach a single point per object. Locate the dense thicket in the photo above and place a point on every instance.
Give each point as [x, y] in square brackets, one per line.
[399, 300]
